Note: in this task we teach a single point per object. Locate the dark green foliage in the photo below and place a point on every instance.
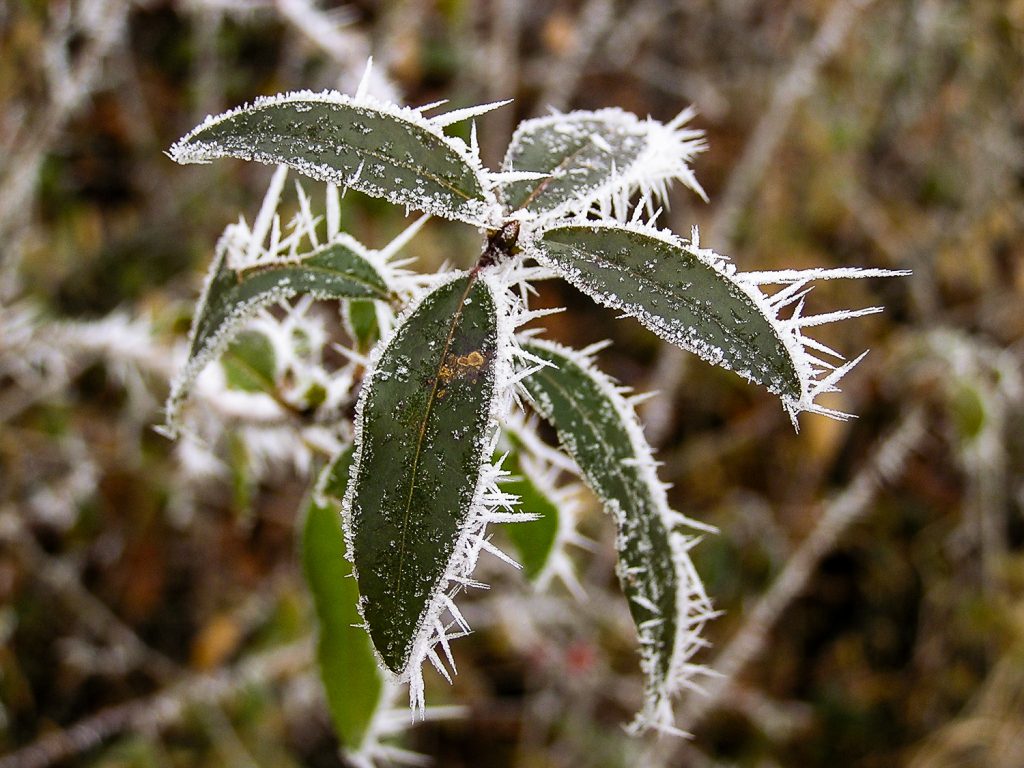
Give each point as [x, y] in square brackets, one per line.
[592, 427]
[361, 323]
[679, 296]
[384, 153]
[423, 424]
[249, 363]
[334, 271]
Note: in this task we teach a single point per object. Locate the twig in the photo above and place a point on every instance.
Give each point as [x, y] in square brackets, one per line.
[348, 48]
[92, 611]
[594, 20]
[100, 24]
[153, 713]
[798, 83]
[837, 518]
[502, 62]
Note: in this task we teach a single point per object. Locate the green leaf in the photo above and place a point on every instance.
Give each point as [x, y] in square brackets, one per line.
[361, 323]
[681, 295]
[243, 481]
[590, 155]
[352, 681]
[534, 540]
[332, 272]
[423, 422]
[376, 148]
[598, 428]
[250, 363]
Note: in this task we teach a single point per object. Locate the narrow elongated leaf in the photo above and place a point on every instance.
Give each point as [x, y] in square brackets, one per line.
[423, 424]
[361, 324]
[250, 363]
[374, 147]
[682, 294]
[348, 669]
[598, 428]
[590, 156]
[230, 296]
[534, 540]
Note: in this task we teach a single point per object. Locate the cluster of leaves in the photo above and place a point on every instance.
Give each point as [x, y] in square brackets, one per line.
[437, 448]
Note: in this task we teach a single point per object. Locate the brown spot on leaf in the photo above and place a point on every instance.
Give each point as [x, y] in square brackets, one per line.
[461, 367]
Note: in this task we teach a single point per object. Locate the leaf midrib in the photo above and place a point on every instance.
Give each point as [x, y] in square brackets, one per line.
[571, 156]
[652, 286]
[544, 183]
[432, 398]
[262, 269]
[406, 166]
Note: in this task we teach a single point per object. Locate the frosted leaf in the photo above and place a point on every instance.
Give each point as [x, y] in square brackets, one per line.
[542, 545]
[338, 270]
[535, 541]
[360, 320]
[599, 429]
[249, 363]
[589, 158]
[423, 425]
[375, 147]
[696, 299]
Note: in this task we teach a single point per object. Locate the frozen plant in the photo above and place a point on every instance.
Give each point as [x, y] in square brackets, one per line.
[445, 374]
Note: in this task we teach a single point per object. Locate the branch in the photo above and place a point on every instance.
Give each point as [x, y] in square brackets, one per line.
[592, 22]
[164, 708]
[843, 512]
[798, 83]
[64, 581]
[100, 23]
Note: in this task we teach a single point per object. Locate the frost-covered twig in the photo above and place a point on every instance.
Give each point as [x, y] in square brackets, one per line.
[154, 713]
[797, 84]
[94, 27]
[563, 76]
[982, 386]
[500, 57]
[63, 579]
[332, 33]
[855, 501]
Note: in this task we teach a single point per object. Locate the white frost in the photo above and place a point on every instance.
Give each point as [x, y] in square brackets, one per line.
[816, 376]
[660, 154]
[483, 211]
[693, 608]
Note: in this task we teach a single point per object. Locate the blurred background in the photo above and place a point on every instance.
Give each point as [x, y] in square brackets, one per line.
[870, 573]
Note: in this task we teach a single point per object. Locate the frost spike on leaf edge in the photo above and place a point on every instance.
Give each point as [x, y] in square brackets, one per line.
[797, 378]
[440, 394]
[402, 157]
[611, 155]
[338, 270]
[599, 429]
